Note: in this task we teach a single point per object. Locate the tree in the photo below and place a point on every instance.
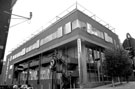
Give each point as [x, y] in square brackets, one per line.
[117, 64]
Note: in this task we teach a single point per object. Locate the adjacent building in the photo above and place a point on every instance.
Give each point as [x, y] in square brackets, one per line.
[5, 6]
[68, 53]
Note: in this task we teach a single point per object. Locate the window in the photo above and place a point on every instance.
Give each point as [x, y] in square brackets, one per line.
[45, 73]
[94, 31]
[102, 56]
[83, 25]
[90, 58]
[108, 38]
[67, 28]
[102, 35]
[76, 24]
[59, 32]
[11, 66]
[48, 38]
[54, 35]
[89, 28]
[94, 69]
[33, 75]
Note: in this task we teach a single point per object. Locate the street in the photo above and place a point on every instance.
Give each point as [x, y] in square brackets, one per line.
[130, 85]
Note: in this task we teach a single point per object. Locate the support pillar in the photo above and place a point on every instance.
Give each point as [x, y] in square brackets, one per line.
[82, 67]
[28, 73]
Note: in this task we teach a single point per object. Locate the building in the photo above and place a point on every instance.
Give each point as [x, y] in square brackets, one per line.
[68, 53]
[5, 5]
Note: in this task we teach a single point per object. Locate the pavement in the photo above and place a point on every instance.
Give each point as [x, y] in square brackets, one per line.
[124, 85]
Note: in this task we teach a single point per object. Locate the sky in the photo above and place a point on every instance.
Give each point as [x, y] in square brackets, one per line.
[120, 14]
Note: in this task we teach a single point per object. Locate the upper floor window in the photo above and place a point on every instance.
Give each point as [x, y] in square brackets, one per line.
[108, 38]
[89, 28]
[67, 28]
[76, 24]
[54, 35]
[59, 32]
[83, 25]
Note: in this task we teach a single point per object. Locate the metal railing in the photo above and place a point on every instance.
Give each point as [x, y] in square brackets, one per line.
[61, 16]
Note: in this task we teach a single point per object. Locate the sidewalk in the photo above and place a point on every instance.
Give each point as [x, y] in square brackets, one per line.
[130, 85]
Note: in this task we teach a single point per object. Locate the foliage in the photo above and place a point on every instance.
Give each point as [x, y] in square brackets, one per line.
[117, 63]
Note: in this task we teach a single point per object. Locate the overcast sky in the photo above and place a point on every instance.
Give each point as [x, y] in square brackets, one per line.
[118, 13]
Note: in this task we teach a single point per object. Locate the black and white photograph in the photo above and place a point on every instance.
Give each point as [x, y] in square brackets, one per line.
[67, 44]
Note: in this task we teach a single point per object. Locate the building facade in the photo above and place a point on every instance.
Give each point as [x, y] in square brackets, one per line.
[69, 53]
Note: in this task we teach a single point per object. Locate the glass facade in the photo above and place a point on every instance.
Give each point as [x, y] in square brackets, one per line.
[94, 66]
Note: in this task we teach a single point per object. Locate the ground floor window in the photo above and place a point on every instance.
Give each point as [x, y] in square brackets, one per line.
[94, 65]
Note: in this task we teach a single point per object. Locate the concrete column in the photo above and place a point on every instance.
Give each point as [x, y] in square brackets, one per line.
[81, 63]
[84, 64]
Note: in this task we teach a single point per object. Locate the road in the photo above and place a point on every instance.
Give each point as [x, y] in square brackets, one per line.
[130, 85]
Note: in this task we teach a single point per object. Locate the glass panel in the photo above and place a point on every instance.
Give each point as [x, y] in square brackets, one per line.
[54, 35]
[102, 35]
[33, 75]
[76, 24]
[94, 31]
[94, 69]
[89, 28]
[67, 28]
[102, 56]
[83, 25]
[90, 58]
[45, 73]
[108, 38]
[59, 32]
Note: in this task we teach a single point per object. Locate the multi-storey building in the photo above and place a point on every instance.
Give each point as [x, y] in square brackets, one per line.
[68, 53]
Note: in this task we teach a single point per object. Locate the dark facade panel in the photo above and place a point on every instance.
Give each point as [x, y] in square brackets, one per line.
[5, 5]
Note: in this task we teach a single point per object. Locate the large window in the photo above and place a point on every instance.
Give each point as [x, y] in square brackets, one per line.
[94, 69]
[67, 28]
[108, 38]
[94, 31]
[59, 32]
[76, 24]
[33, 75]
[94, 66]
[89, 28]
[45, 73]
